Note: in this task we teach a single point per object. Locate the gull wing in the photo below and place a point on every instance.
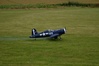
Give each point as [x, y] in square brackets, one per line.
[54, 35]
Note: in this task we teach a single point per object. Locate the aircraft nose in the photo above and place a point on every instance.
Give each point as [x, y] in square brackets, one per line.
[64, 30]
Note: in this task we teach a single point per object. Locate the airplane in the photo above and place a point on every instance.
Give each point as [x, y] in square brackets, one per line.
[51, 34]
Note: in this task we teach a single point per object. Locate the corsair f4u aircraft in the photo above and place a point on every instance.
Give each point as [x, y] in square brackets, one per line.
[51, 34]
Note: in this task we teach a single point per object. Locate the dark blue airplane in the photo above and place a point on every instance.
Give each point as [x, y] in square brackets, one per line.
[51, 34]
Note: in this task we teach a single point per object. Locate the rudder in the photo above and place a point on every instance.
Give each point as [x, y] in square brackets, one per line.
[34, 31]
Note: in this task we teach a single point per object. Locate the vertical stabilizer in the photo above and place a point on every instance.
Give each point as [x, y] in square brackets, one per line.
[34, 31]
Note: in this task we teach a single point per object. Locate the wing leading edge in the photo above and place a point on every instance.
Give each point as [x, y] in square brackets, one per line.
[54, 36]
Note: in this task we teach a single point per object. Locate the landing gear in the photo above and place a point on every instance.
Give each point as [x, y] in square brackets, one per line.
[56, 38]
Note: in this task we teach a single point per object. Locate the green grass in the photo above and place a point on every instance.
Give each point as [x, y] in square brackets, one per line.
[5, 2]
[79, 47]
[42, 5]
[27, 4]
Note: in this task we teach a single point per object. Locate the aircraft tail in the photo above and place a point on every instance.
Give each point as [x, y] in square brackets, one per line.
[34, 31]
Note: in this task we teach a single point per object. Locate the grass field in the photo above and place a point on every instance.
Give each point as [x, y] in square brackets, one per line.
[3, 2]
[78, 47]
[28, 4]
